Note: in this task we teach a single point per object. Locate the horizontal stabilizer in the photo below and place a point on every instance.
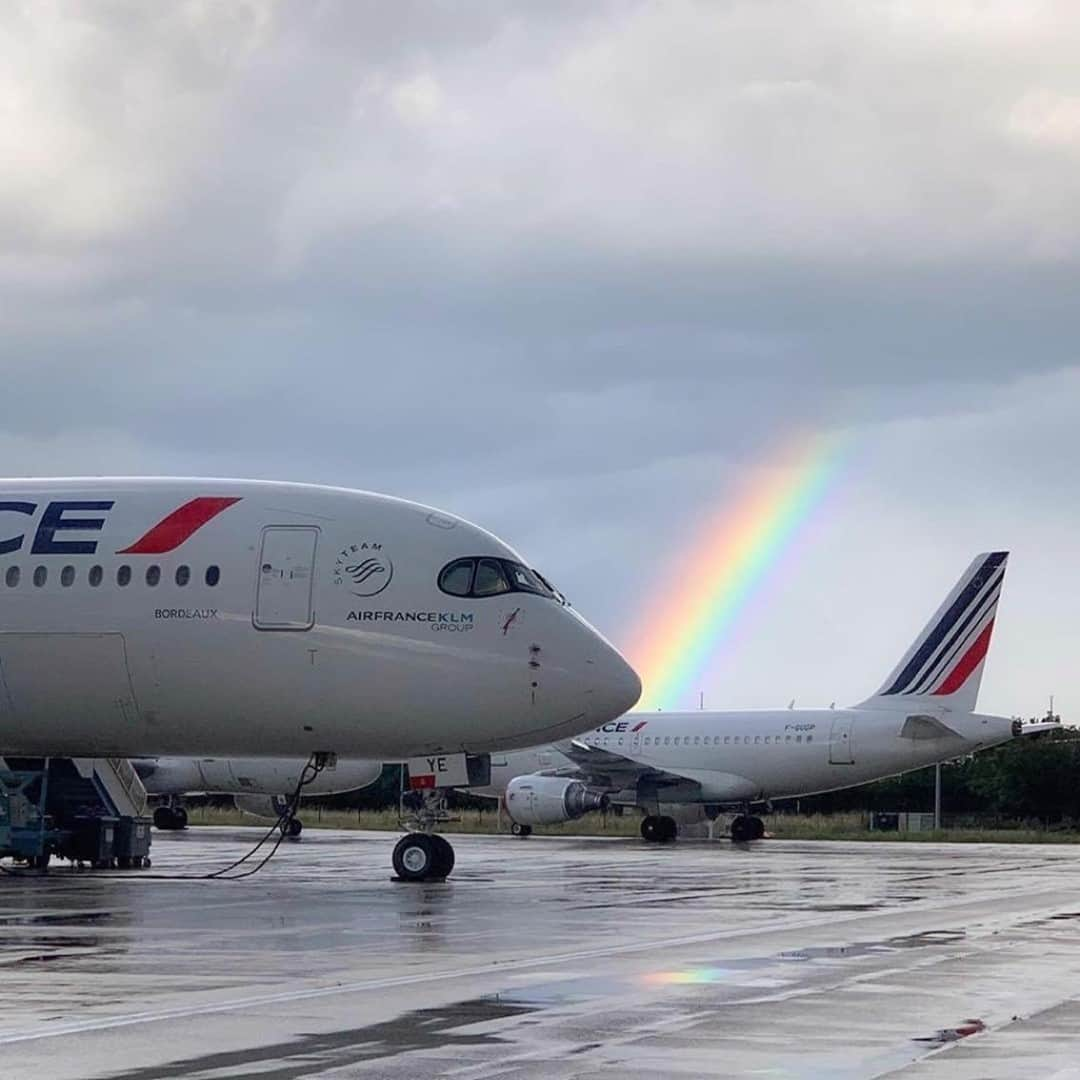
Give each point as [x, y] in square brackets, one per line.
[927, 727]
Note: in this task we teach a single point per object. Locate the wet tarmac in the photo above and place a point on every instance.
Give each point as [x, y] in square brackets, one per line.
[551, 957]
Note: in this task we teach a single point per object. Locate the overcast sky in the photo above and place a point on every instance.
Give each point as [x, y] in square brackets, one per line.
[571, 270]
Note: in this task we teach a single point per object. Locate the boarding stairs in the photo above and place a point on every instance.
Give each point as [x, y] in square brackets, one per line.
[117, 783]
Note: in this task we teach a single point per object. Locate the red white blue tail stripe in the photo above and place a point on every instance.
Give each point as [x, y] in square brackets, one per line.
[955, 643]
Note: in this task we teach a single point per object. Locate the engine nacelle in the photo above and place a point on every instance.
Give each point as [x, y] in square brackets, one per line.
[265, 806]
[547, 800]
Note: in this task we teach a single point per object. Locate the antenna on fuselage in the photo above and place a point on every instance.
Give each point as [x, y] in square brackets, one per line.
[701, 700]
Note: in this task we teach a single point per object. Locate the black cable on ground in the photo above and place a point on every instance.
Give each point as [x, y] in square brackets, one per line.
[316, 765]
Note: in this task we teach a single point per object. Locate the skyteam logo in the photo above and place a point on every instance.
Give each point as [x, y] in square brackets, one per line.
[364, 568]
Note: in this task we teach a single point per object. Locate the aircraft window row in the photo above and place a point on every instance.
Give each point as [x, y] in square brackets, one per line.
[710, 740]
[479, 577]
[96, 575]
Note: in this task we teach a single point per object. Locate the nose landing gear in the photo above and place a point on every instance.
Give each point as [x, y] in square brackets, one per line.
[423, 855]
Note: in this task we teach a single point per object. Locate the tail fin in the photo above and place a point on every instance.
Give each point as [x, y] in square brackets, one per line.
[945, 663]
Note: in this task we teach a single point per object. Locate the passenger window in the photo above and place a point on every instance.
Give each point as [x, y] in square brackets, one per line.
[757, 738]
[809, 738]
[490, 579]
[456, 579]
[183, 575]
[67, 576]
[11, 578]
[798, 738]
[787, 738]
[767, 738]
[213, 576]
[697, 740]
[41, 575]
[95, 576]
[123, 576]
[153, 575]
[667, 740]
[727, 739]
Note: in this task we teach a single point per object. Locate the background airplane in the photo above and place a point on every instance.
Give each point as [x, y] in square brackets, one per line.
[259, 786]
[665, 763]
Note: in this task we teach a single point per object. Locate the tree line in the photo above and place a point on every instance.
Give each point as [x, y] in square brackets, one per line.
[1029, 779]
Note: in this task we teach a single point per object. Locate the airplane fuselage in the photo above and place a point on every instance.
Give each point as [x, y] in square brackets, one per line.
[733, 757]
[144, 617]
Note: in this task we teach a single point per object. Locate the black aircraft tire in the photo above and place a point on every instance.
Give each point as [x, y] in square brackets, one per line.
[741, 830]
[165, 819]
[669, 830]
[414, 857]
[757, 828]
[444, 858]
[180, 816]
[651, 829]
[521, 830]
[294, 828]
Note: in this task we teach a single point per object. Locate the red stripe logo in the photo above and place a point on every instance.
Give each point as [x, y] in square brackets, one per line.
[170, 532]
[968, 663]
[638, 727]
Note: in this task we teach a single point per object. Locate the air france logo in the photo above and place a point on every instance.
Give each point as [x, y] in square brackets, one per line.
[364, 567]
[616, 727]
[80, 516]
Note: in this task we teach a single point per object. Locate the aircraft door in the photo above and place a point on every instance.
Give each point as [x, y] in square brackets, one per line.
[286, 577]
[841, 742]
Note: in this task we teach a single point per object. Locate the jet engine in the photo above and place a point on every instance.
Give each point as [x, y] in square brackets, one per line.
[547, 800]
[266, 806]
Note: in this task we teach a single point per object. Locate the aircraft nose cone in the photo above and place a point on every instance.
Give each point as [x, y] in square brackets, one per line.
[614, 684]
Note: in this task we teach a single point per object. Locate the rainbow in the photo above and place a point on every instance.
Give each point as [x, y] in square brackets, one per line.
[720, 572]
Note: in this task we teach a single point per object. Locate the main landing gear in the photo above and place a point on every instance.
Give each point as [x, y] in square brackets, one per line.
[746, 827]
[520, 830]
[170, 818]
[422, 855]
[658, 829]
[291, 827]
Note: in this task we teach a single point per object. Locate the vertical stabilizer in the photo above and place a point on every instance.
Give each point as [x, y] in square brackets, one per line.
[945, 663]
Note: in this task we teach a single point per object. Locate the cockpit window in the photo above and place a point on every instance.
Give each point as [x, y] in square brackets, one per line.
[525, 580]
[490, 579]
[456, 579]
[485, 576]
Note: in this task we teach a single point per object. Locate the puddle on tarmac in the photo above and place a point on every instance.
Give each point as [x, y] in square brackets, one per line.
[425, 1029]
[572, 991]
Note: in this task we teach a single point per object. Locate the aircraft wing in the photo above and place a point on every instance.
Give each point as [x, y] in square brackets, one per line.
[604, 768]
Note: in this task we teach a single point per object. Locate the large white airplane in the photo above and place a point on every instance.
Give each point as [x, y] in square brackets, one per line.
[259, 786]
[147, 617]
[664, 763]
